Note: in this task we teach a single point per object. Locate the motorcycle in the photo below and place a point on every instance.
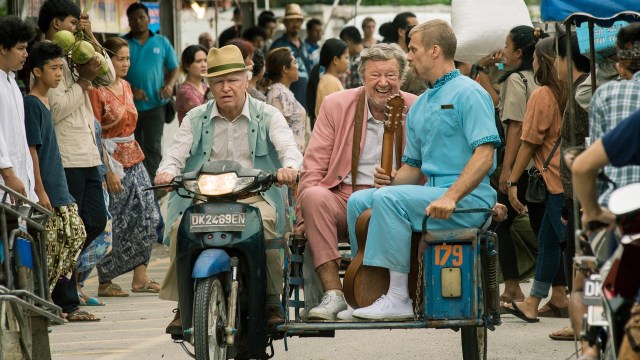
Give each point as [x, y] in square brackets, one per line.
[25, 307]
[609, 290]
[221, 262]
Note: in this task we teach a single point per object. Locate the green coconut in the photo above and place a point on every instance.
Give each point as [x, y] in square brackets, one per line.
[65, 39]
[82, 52]
[104, 65]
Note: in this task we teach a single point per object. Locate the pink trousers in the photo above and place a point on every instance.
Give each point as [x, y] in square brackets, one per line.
[325, 219]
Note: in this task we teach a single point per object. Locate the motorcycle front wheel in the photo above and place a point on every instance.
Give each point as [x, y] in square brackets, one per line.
[210, 319]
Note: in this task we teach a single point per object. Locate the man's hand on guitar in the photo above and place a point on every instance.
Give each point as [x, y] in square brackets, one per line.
[381, 179]
[441, 208]
[300, 229]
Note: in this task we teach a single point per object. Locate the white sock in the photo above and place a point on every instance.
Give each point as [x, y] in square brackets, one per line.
[398, 286]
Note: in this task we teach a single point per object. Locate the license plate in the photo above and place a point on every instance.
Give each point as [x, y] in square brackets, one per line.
[218, 222]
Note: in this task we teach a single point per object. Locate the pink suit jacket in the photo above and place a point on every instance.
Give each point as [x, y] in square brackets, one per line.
[327, 159]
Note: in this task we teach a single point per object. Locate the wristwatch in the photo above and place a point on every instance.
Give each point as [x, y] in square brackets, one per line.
[512, 183]
[484, 69]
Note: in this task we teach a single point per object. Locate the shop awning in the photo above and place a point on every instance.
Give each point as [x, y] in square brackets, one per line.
[603, 11]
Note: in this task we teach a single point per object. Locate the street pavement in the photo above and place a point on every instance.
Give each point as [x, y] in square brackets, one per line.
[133, 328]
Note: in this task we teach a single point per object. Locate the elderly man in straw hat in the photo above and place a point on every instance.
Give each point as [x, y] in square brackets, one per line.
[291, 39]
[223, 128]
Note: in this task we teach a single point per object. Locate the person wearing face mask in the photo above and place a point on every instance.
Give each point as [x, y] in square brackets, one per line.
[329, 176]
[451, 141]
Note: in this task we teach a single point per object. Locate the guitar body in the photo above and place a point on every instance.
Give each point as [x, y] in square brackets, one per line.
[364, 284]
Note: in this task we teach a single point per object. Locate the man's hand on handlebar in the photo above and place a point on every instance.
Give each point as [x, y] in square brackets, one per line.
[603, 215]
[499, 212]
[164, 178]
[441, 208]
[381, 179]
[287, 176]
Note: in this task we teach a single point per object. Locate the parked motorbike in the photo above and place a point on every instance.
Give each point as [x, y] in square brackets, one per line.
[611, 286]
[25, 307]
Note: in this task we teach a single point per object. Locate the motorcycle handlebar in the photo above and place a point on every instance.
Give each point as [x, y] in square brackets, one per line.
[269, 179]
[460, 211]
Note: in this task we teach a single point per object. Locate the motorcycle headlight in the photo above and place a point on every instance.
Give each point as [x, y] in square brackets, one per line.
[216, 185]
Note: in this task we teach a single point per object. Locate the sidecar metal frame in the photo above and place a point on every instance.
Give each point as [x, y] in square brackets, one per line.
[472, 241]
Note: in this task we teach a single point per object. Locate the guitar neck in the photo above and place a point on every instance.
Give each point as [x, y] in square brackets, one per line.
[387, 151]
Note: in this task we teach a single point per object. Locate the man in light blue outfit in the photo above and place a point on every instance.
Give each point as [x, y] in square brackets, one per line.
[451, 140]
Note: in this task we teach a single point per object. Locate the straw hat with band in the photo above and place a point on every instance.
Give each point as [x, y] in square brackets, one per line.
[227, 59]
[293, 11]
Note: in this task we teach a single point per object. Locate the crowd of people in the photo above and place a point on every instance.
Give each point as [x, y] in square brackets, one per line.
[475, 136]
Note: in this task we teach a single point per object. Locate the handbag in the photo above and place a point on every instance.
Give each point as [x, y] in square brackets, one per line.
[537, 189]
[169, 111]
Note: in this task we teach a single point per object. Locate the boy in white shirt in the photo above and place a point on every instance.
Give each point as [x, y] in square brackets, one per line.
[16, 168]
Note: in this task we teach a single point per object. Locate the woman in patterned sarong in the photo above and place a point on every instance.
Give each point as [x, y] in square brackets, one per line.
[135, 215]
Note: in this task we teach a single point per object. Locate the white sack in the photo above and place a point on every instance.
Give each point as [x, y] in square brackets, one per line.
[481, 26]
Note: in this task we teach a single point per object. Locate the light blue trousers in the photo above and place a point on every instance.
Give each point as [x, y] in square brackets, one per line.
[398, 211]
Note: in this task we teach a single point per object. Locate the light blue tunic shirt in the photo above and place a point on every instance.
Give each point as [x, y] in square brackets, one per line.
[445, 125]
[149, 63]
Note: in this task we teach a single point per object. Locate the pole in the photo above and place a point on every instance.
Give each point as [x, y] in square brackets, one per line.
[13, 7]
[326, 19]
[592, 56]
[571, 100]
[572, 123]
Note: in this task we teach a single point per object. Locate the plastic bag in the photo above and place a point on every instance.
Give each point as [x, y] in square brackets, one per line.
[481, 26]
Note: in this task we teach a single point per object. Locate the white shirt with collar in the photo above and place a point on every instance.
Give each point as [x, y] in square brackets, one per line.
[371, 153]
[14, 149]
[231, 142]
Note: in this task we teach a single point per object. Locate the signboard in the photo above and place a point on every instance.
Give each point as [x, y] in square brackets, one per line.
[154, 16]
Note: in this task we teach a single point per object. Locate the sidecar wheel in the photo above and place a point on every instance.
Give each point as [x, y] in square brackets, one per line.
[474, 343]
[210, 319]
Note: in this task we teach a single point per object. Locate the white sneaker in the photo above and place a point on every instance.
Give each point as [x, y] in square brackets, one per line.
[332, 303]
[386, 309]
[346, 314]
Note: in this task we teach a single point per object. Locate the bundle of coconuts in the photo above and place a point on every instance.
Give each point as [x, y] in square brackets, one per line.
[79, 50]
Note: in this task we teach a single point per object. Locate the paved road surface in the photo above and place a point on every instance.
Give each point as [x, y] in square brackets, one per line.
[133, 328]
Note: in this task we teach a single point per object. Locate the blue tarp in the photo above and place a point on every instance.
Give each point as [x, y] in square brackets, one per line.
[581, 10]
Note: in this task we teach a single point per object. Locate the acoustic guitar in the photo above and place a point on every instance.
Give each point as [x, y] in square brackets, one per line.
[364, 284]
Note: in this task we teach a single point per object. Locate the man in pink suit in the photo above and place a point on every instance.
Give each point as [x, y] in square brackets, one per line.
[327, 178]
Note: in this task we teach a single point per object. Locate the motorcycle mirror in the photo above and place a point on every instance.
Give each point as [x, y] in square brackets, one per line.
[621, 200]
